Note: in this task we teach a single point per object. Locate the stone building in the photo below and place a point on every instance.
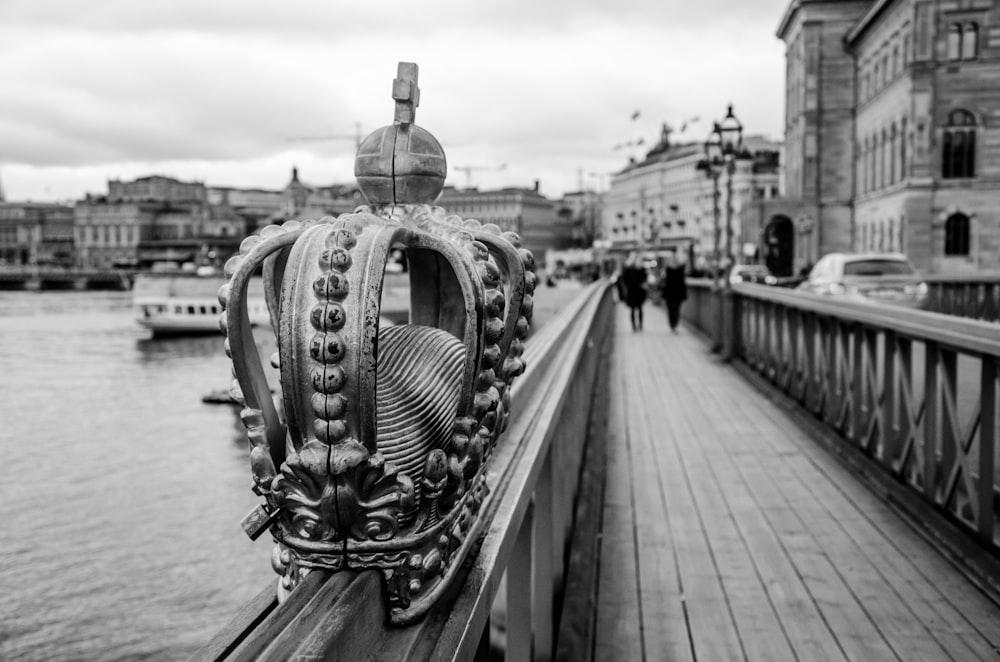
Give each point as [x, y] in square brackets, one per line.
[153, 219]
[524, 211]
[665, 201]
[892, 133]
[36, 234]
[580, 212]
[300, 201]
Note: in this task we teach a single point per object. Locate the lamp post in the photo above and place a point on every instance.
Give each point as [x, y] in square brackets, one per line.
[730, 133]
[711, 164]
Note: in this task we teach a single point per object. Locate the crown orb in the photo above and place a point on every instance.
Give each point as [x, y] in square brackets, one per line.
[400, 164]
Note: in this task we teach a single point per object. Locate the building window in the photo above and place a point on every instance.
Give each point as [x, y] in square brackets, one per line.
[956, 235]
[892, 155]
[963, 41]
[895, 60]
[954, 41]
[958, 146]
[903, 170]
[970, 41]
[906, 50]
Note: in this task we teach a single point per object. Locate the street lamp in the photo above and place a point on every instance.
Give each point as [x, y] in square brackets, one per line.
[722, 148]
[711, 164]
[731, 138]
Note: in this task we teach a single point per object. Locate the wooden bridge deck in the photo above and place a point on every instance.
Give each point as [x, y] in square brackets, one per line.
[728, 534]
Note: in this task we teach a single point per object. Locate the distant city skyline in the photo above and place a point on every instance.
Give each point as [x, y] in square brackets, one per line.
[213, 92]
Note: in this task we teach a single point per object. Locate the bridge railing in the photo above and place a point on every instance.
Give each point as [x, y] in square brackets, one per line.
[914, 391]
[533, 479]
[977, 297]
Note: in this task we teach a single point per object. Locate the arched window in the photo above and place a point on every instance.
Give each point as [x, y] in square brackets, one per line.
[970, 41]
[956, 234]
[958, 145]
[954, 41]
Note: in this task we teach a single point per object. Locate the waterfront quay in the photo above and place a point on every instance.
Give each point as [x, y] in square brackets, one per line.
[65, 279]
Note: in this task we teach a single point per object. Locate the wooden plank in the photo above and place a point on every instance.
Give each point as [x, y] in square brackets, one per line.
[617, 634]
[720, 438]
[664, 621]
[917, 623]
[778, 556]
[713, 632]
[760, 631]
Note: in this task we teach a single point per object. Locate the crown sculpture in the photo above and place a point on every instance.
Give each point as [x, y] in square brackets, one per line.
[379, 458]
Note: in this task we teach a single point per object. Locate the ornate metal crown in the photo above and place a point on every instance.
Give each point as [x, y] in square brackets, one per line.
[379, 459]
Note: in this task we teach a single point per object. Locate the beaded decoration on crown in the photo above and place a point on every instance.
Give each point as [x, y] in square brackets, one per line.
[379, 460]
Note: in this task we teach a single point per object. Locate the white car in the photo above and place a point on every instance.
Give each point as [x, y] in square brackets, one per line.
[873, 277]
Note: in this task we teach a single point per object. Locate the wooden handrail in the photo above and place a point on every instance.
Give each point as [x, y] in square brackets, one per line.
[525, 520]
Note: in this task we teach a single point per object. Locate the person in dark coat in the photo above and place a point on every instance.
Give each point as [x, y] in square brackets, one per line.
[632, 288]
[674, 291]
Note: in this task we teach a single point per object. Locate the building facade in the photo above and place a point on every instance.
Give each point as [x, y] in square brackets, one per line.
[669, 201]
[36, 234]
[892, 132]
[524, 211]
[153, 219]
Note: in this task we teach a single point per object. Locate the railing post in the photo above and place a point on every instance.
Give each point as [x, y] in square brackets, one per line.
[987, 448]
[729, 327]
[887, 450]
[931, 415]
[519, 599]
[543, 556]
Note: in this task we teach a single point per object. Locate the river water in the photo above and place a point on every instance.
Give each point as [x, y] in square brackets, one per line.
[122, 492]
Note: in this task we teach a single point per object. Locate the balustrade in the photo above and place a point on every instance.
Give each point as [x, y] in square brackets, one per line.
[914, 391]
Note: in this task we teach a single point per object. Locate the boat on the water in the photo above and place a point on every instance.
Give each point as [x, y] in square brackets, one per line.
[187, 302]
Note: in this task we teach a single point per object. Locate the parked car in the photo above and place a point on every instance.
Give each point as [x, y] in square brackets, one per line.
[751, 273]
[874, 277]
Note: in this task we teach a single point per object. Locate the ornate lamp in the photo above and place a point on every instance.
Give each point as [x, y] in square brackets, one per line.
[713, 147]
[730, 134]
[379, 459]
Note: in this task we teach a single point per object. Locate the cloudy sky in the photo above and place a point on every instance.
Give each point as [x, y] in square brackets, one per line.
[214, 89]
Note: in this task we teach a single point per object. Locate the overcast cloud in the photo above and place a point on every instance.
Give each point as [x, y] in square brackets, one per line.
[213, 90]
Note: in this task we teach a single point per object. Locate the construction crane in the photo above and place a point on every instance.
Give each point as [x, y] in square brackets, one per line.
[356, 137]
[468, 170]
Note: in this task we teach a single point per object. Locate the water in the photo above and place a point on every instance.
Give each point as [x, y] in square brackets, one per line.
[122, 492]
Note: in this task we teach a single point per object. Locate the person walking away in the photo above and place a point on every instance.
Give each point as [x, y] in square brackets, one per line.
[674, 290]
[633, 282]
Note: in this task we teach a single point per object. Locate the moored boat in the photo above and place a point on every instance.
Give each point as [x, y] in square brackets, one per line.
[182, 302]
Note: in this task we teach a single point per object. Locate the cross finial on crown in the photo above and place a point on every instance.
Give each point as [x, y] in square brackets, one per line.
[406, 93]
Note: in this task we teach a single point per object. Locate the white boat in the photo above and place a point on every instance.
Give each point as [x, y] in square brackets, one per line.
[182, 302]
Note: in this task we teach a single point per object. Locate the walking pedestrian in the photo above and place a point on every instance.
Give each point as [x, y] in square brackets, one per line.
[674, 290]
[633, 286]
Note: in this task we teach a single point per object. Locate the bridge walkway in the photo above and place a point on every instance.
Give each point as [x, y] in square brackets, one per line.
[726, 533]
